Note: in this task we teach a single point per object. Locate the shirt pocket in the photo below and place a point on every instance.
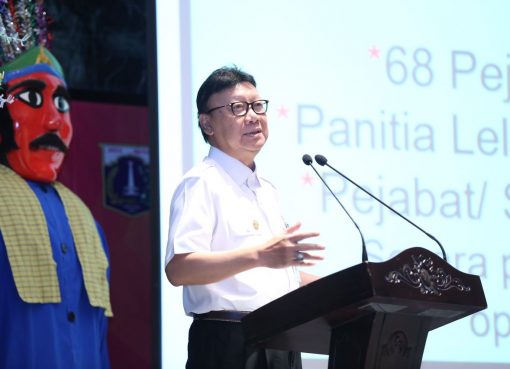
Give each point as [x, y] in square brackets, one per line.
[245, 228]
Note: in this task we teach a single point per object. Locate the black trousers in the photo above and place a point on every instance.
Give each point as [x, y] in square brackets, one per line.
[220, 345]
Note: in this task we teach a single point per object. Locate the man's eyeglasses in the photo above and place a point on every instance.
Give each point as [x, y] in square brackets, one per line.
[240, 108]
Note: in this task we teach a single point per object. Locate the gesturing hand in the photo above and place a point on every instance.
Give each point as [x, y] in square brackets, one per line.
[287, 249]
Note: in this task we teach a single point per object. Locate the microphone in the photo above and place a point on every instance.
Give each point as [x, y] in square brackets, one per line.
[307, 159]
[321, 160]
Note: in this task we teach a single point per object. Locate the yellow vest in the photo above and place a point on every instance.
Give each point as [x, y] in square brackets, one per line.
[25, 233]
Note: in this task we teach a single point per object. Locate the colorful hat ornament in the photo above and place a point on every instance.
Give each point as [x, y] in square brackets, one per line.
[24, 39]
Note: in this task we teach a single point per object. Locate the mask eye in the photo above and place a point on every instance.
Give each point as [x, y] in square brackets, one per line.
[61, 103]
[30, 97]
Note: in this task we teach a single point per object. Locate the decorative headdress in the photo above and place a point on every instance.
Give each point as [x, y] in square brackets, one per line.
[24, 39]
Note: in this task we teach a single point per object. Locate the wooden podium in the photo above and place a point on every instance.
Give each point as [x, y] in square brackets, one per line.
[371, 315]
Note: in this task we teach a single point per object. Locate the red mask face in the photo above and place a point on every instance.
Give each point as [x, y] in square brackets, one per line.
[42, 125]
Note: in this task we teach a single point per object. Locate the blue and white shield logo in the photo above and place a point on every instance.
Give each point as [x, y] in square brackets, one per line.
[126, 181]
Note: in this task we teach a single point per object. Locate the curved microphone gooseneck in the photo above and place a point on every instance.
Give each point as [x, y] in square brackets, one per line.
[321, 160]
[307, 159]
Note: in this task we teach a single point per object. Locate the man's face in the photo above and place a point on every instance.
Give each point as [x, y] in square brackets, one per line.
[42, 125]
[241, 137]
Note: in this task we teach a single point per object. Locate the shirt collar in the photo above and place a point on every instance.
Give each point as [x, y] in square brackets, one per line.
[239, 172]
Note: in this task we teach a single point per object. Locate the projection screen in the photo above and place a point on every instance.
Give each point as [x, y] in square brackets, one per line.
[409, 99]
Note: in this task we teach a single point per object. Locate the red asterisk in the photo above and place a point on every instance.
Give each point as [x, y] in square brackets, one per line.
[283, 112]
[374, 52]
[307, 179]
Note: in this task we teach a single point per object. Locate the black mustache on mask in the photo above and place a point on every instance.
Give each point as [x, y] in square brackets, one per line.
[48, 140]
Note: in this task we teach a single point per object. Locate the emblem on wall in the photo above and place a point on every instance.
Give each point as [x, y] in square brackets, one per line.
[126, 181]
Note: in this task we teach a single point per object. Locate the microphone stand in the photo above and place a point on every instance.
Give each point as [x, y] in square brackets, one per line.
[321, 160]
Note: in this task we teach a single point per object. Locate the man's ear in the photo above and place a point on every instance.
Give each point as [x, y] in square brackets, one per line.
[205, 124]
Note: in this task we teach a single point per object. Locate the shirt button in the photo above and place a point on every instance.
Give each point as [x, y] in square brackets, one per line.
[63, 247]
[71, 317]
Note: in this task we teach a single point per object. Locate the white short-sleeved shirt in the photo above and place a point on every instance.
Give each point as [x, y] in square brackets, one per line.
[221, 204]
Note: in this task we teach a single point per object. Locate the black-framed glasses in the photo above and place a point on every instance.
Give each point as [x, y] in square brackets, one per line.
[240, 108]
